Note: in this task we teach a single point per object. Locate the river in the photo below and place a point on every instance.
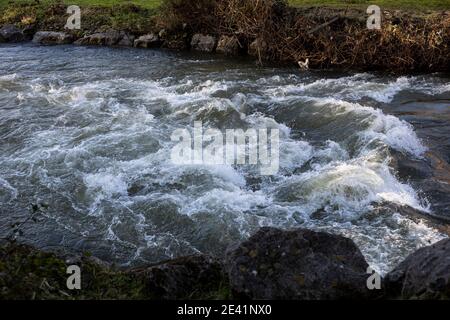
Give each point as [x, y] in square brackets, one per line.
[86, 134]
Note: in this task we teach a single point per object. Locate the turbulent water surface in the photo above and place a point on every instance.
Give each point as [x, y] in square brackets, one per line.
[86, 132]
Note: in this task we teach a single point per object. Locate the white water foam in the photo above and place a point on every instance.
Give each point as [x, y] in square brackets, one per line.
[358, 86]
[96, 148]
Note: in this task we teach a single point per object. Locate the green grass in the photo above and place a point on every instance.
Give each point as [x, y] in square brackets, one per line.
[388, 4]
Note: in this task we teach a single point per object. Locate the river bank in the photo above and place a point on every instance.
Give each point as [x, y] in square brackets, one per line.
[270, 32]
[273, 264]
[86, 137]
[86, 142]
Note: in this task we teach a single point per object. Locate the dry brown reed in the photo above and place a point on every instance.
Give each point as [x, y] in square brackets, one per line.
[289, 35]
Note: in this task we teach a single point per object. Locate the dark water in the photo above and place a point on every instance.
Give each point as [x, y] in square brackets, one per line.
[86, 132]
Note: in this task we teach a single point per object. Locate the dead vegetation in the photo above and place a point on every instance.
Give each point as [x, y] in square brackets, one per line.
[327, 38]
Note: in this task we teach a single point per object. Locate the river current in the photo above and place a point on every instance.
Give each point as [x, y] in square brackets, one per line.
[86, 134]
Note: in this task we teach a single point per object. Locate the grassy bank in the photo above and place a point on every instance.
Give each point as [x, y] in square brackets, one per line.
[148, 4]
[329, 34]
[132, 16]
[152, 4]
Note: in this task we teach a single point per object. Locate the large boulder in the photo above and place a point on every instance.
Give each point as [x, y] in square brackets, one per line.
[127, 40]
[29, 32]
[299, 264]
[148, 41]
[229, 46]
[425, 274]
[183, 277]
[50, 37]
[203, 43]
[109, 38]
[11, 33]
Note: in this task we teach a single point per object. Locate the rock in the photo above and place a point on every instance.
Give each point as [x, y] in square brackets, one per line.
[411, 168]
[299, 264]
[430, 174]
[148, 41]
[50, 37]
[98, 39]
[176, 43]
[425, 274]
[203, 43]
[180, 278]
[109, 38]
[10, 33]
[126, 41]
[229, 46]
[2, 39]
[29, 31]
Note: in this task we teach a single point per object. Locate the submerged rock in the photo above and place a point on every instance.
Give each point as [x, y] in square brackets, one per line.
[183, 277]
[299, 264]
[10, 33]
[148, 41]
[50, 37]
[109, 38]
[203, 43]
[229, 46]
[425, 274]
[431, 175]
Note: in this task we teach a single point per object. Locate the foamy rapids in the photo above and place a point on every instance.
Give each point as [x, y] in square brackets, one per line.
[92, 140]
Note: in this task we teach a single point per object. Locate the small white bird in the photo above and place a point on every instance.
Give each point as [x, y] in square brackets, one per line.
[304, 65]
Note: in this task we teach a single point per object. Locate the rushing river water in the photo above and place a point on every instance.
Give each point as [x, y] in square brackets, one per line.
[86, 131]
